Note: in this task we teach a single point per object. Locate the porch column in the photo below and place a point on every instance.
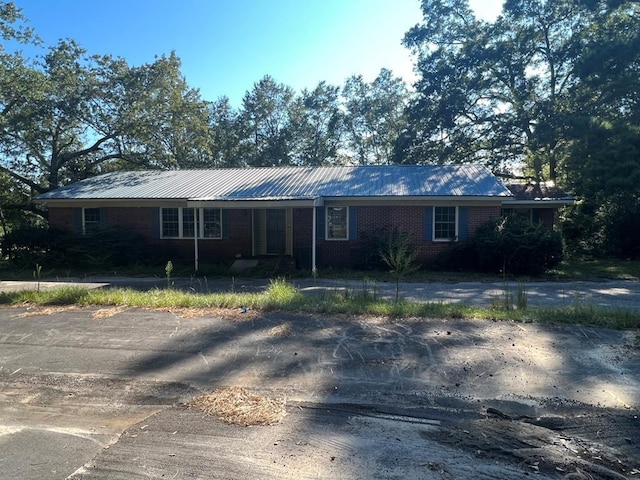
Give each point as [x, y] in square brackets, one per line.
[313, 241]
[196, 213]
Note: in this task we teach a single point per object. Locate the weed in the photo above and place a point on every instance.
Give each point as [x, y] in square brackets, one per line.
[167, 270]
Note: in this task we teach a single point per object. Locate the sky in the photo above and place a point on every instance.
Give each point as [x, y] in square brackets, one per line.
[228, 45]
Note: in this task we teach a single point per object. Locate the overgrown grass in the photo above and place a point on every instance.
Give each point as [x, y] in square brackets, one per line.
[282, 296]
[568, 270]
[599, 269]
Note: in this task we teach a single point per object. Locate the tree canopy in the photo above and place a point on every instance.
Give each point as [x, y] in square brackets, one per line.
[68, 116]
[504, 93]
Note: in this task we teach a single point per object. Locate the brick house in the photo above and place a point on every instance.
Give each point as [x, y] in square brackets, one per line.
[320, 216]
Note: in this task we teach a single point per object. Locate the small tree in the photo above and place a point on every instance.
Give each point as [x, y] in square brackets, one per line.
[396, 253]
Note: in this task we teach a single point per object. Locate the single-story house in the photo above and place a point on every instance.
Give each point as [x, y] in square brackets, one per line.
[320, 216]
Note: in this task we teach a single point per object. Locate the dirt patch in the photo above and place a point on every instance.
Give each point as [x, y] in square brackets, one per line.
[238, 406]
[576, 441]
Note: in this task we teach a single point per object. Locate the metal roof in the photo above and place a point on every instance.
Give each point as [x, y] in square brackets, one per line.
[288, 183]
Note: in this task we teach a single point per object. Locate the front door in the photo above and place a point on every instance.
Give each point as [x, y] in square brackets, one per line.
[276, 231]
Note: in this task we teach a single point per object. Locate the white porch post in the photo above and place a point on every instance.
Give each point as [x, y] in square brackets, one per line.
[313, 241]
[196, 213]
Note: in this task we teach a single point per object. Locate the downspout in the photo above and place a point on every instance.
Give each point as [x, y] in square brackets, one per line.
[196, 213]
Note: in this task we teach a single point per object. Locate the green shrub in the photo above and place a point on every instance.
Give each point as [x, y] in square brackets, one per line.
[51, 247]
[510, 245]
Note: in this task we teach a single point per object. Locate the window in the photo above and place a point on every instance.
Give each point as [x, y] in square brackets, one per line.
[337, 221]
[188, 222]
[181, 222]
[211, 223]
[170, 222]
[444, 223]
[90, 220]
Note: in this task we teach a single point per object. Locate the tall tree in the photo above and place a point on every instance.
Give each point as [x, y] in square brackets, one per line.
[496, 92]
[603, 167]
[76, 116]
[318, 126]
[225, 129]
[375, 116]
[265, 120]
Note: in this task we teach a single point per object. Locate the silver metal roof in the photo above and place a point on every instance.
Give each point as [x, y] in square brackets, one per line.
[288, 183]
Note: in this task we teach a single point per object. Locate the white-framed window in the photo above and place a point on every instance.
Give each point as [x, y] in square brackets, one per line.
[337, 223]
[211, 223]
[445, 224]
[170, 222]
[181, 222]
[90, 220]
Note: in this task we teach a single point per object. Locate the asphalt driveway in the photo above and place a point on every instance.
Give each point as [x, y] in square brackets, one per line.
[100, 393]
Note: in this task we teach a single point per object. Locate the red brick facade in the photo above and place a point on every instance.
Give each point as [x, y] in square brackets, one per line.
[373, 222]
[237, 239]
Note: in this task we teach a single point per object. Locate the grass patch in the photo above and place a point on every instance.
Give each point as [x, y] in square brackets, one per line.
[593, 270]
[283, 296]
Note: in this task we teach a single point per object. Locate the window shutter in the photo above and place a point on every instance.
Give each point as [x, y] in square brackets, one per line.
[103, 217]
[428, 224]
[463, 223]
[155, 223]
[225, 224]
[320, 223]
[77, 220]
[353, 223]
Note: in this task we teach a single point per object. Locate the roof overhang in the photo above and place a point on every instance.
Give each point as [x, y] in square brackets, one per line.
[262, 203]
[539, 203]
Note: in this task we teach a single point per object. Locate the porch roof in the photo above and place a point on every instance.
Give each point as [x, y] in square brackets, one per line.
[288, 183]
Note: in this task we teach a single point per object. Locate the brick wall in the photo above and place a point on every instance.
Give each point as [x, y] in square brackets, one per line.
[63, 219]
[373, 222]
[139, 220]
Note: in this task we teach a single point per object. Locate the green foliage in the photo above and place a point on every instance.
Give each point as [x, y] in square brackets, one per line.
[67, 116]
[397, 254]
[167, 270]
[606, 166]
[513, 89]
[515, 247]
[99, 248]
[375, 117]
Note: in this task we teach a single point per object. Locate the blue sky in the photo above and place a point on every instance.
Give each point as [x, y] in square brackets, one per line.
[228, 45]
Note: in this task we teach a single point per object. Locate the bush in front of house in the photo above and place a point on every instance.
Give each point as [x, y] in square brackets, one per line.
[508, 245]
[30, 244]
[511, 245]
[103, 247]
